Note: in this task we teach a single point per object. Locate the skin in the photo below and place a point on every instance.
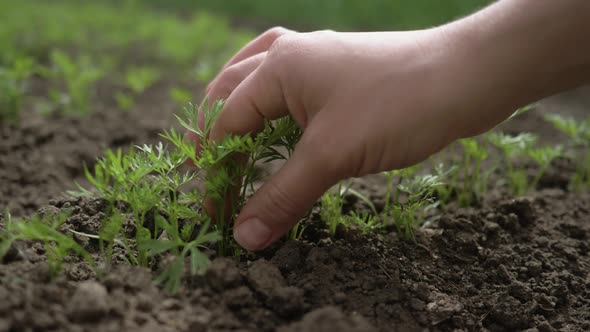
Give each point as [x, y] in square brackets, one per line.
[371, 102]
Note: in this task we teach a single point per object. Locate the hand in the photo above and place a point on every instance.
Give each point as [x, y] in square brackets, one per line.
[367, 102]
[370, 102]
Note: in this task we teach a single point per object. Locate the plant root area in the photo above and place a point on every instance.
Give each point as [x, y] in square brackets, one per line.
[512, 264]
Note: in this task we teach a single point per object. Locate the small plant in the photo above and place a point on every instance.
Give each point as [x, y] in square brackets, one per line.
[579, 134]
[78, 76]
[543, 157]
[57, 245]
[13, 87]
[405, 204]
[475, 181]
[513, 147]
[137, 81]
[331, 212]
[522, 146]
[181, 96]
[418, 191]
[331, 205]
[168, 219]
[448, 190]
[180, 244]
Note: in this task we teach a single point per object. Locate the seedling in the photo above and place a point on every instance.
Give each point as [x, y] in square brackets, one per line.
[409, 215]
[447, 191]
[78, 76]
[579, 134]
[57, 245]
[137, 81]
[475, 181]
[332, 203]
[181, 96]
[514, 147]
[405, 204]
[171, 220]
[13, 87]
[331, 209]
[543, 158]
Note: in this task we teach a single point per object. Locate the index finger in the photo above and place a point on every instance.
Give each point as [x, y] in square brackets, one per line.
[258, 98]
[258, 45]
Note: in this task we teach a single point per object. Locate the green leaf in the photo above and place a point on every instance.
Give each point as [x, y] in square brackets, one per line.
[199, 262]
[171, 277]
[157, 247]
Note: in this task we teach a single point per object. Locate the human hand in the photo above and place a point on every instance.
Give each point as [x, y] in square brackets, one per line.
[367, 102]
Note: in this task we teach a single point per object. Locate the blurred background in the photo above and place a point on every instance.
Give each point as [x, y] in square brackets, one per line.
[189, 33]
[332, 14]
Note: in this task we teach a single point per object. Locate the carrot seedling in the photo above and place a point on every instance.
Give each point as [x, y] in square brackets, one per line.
[78, 76]
[46, 230]
[137, 81]
[475, 180]
[579, 135]
[543, 157]
[419, 191]
[513, 147]
[13, 87]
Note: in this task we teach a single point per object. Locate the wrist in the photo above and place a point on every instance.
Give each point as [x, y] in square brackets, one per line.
[516, 52]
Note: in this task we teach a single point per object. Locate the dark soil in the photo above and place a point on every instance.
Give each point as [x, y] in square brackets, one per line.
[511, 265]
[517, 264]
[42, 156]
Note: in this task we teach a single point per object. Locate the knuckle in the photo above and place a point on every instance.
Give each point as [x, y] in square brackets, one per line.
[280, 206]
[227, 82]
[326, 152]
[286, 47]
[274, 33]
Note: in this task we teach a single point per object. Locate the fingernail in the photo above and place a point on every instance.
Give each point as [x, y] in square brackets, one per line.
[252, 234]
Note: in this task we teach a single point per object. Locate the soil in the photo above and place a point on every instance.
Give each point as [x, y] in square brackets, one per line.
[510, 265]
[42, 156]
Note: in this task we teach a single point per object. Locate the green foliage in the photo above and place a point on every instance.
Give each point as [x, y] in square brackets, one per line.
[222, 170]
[97, 27]
[578, 149]
[475, 181]
[330, 14]
[514, 147]
[181, 96]
[137, 81]
[13, 87]
[331, 209]
[124, 100]
[46, 230]
[404, 208]
[77, 76]
[181, 245]
[418, 191]
[522, 146]
[577, 131]
[169, 219]
[543, 158]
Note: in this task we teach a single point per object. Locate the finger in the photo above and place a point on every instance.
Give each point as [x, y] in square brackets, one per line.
[257, 98]
[230, 77]
[259, 45]
[222, 87]
[282, 201]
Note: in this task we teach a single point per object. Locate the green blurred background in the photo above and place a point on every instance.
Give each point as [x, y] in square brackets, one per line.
[75, 46]
[332, 14]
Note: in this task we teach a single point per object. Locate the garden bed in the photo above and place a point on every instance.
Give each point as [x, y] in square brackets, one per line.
[484, 259]
[512, 264]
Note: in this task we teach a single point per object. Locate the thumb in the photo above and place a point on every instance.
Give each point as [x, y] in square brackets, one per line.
[284, 199]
